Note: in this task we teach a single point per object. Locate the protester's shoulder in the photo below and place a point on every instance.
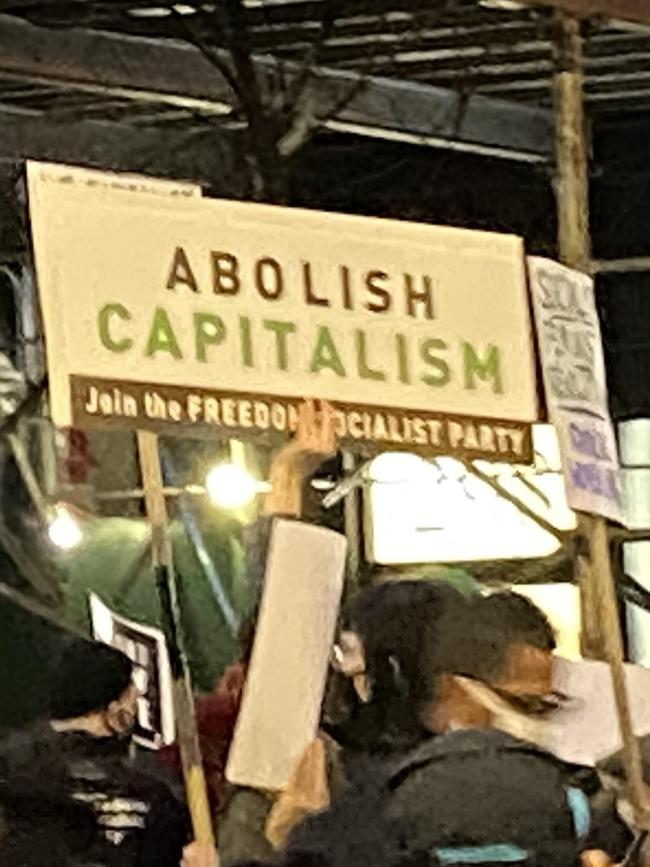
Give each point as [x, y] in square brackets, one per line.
[141, 781]
[166, 815]
[487, 761]
[27, 746]
[479, 743]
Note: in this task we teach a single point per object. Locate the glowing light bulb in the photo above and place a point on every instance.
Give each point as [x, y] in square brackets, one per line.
[231, 487]
[63, 530]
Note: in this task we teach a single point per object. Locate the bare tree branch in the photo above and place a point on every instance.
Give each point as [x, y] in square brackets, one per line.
[526, 482]
[263, 127]
[209, 52]
[304, 91]
[302, 81]
[304, 122]
[562, 536]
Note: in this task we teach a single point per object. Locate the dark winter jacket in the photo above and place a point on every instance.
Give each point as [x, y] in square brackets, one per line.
[479, 797]
[72, 800]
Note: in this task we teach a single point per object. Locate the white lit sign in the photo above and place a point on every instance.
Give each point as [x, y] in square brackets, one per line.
[437, 512]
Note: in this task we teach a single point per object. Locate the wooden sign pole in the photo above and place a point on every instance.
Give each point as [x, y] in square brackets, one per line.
[598, 592]
[152, 483]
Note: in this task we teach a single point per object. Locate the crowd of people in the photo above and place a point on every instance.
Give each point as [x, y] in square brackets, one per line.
[430, 749]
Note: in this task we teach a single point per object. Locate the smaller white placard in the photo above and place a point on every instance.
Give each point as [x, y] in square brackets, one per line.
[284, 687]
[571, 355]
[587, 731]
[147, 649]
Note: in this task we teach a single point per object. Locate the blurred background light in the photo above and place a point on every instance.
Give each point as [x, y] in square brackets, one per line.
[231, 487]
[64, 530]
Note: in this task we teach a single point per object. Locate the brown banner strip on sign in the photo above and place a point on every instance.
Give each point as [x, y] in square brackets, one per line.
[180, 410]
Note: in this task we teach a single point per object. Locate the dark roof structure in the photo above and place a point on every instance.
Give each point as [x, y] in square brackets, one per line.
[498, 48]
[424, 63]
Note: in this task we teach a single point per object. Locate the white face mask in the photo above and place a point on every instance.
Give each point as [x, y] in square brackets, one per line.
[348, 658]
[348, 655]
[505, 718]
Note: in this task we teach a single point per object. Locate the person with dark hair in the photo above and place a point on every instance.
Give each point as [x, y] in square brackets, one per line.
[93, 683]
[379, 679]
[380, 661]
[475, 793]
[490, 665]
[479, 792]
[68, 797]
[382, 655]
[502, 641]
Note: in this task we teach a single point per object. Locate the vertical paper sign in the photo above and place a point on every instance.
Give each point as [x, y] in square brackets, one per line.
[573, 366]
[147, 649]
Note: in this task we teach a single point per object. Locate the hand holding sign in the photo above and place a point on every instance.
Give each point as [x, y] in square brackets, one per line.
[315, 440]
[200, 855]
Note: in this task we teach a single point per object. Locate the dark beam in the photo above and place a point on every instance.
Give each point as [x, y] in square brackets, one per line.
[636, 11]
[177, 73]
[203, 157]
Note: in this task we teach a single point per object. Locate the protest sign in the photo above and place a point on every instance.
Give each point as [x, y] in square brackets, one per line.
[587, 730]
[146, 648]
[573, 367]
[219, 317]
[293, 642]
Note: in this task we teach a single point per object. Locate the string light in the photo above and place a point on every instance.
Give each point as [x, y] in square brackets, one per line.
[231, 487]
[63, 530]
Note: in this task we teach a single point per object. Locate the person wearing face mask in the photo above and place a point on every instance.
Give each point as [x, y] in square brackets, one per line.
[478, 789]
[490, 669]
[373, 714]
[68, 795]
[499, 651]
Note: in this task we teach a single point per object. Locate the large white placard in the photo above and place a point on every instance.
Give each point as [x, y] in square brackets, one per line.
[293, 642]
[571, 352]
[170, 311]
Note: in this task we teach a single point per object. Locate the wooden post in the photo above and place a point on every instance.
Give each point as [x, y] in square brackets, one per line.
[598, 592]
[572, 195]
[352, 522]
[152, 483]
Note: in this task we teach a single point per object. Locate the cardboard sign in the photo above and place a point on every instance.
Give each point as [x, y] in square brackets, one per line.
[587, 730]
[219, 317]
[147, 649]
[573, 366]
[293, 642]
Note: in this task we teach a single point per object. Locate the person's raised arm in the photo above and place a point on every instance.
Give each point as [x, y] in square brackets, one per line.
[313, 443]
